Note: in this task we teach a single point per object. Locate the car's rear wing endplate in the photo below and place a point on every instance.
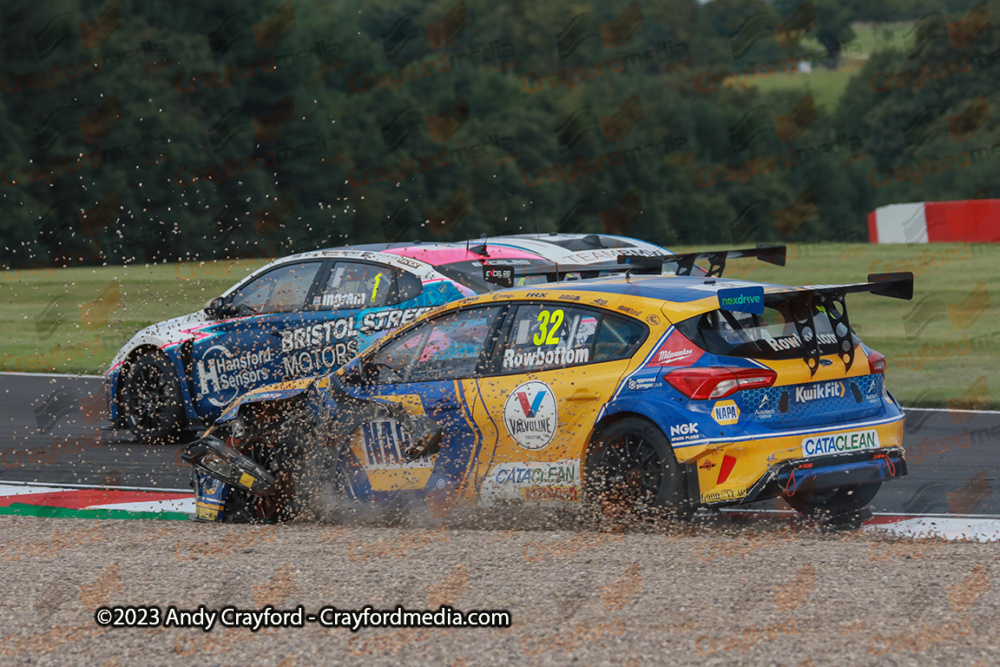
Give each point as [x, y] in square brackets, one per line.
[830, 299]
[505, 275]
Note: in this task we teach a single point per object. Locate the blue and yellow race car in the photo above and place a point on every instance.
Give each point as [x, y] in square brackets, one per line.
[629, 394]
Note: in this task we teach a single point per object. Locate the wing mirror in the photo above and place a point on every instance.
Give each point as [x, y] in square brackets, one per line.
[218, 309]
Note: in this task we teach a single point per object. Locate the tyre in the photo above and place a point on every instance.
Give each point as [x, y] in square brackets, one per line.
[151, 399]
[834, 502]
[631, 471]
[279, 453]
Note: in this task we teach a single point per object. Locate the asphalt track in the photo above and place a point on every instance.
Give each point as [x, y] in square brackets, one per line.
[51, 431]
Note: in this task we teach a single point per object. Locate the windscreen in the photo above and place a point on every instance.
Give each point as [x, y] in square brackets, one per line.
[771, 335]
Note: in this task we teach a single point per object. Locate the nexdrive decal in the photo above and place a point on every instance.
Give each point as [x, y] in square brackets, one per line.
[530, 415]
[840, 443]
[726, 412]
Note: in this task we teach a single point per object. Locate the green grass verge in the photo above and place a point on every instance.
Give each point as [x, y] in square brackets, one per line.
[74, 320]
[942, 349]
[957, 350]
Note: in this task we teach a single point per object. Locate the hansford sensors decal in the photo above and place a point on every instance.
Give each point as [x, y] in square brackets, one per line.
[530, 415]
[534, 481]
[222, 374]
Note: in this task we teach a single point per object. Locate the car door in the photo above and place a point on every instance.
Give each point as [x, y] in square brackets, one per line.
[556, 366]
[329, 331]
[244, 352]
[429, 371]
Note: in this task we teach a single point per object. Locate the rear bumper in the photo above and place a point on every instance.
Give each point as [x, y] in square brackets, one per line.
[803, 476]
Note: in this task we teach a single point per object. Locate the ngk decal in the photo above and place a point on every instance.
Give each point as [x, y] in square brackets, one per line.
[683, 432]
[221, 374]
[676, 351]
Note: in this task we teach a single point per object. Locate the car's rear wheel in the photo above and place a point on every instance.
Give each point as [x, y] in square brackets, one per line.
[151, 399]
[834, 502]
[631, 471]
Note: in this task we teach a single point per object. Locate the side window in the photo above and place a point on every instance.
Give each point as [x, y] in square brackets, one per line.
[355, 285]
[549, 335]
[618, 338]
[445, 348]
[282, 290]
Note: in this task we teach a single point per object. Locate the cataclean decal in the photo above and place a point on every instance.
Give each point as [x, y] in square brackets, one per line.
[221, 374]
[837, 444]
[554, 474]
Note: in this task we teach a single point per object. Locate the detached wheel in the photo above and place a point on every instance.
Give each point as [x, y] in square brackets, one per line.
[277, 454]
[151, 399]
[834, 502]
[631, 471]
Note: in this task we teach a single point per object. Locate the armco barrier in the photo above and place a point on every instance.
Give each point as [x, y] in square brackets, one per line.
[969, 221]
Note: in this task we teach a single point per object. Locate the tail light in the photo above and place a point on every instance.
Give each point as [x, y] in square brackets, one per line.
[710, 383]
[876, 362]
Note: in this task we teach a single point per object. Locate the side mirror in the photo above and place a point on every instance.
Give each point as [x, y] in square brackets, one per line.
[217, 308]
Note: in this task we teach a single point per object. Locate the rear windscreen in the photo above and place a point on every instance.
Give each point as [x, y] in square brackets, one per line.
[771, 335]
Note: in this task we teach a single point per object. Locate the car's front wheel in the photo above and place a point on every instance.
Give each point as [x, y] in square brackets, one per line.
[278, 449]
[151, 399]
[631, 470]
[834, 502]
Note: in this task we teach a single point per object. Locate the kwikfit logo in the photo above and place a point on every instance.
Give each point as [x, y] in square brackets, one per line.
[816, 392]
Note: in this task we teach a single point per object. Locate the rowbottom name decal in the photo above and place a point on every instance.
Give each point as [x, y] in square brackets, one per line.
[512, 359]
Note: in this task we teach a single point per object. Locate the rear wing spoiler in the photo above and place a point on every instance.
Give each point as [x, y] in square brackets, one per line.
[772, 254]
[830, 299]
[505, 275]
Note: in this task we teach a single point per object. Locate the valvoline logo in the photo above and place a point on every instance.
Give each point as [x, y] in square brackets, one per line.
[536, 402]
[530, 415]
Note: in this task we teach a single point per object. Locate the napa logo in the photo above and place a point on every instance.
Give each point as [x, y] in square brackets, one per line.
[530, 415]
[742, 299]
[726, 412]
